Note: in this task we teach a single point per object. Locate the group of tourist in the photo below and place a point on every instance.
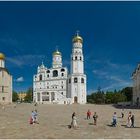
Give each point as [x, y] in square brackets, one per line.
[95, 116]
[74, 119]
[130, 119]
[33, 118]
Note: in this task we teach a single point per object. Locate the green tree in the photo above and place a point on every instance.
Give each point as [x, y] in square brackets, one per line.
[99, 96]
[127, 92]
[14, 96]
[29, 96]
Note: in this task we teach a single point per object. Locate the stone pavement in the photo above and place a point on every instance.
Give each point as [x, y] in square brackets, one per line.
[54, 121]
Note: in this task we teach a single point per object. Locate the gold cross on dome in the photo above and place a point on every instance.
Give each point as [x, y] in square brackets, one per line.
[77, 32]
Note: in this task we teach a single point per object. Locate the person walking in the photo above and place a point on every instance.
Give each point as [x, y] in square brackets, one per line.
[74, 121]
[88, 114]
[129, 121]
[114, 119]
[132, 121]
[122, 113]
[36, 116]
[95, 116]
[32, 119]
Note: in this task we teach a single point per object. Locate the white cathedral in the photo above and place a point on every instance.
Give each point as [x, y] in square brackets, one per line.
[56, 85]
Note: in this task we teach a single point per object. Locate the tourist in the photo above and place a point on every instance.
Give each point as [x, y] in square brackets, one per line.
[122, 113]
[114, 119]
[129, 121]
[95, 116]
[35, 116]
[88, 114]
[74, 121]
[32, 119]
[132, 121]
[73, 114]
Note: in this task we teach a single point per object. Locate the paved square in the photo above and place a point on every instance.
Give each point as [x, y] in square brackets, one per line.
[54, 121]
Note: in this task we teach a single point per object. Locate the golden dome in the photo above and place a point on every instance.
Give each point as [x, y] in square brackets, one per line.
[57, 53]
[2, 56]
[77, 38]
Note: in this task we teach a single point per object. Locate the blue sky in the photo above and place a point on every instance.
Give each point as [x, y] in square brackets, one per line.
[30, 32]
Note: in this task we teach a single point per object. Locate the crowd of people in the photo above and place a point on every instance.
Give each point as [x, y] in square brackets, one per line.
[130, 118]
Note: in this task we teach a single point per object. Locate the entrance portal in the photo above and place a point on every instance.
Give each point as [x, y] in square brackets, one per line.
[75, 99]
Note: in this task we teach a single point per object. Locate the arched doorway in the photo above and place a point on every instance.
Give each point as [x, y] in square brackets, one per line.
[38, 97]
[75, 99]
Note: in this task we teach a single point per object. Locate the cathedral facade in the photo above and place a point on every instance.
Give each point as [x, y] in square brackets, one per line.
[136, 86]
[5, 82]
[56, 85]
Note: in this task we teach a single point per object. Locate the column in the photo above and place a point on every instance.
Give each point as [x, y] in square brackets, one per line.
[41, 97]
[50, 97]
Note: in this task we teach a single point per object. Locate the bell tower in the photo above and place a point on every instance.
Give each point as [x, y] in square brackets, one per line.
[77, 81]
[57, 59]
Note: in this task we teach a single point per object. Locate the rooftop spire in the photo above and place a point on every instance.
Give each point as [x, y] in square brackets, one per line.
[77, 33]
[42, 62]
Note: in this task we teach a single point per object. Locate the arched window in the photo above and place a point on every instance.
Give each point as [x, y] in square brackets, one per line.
[80, 58]
[48, 75]
[75, 80]
[62, 69]
[55, 73]
[62, 74]
[82, 80]
[48, 71]
[40, 77]
[69, 80]
[75, 57]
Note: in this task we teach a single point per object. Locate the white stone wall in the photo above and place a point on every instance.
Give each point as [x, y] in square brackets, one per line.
[136, 85]
[51, 84]
[5, 87]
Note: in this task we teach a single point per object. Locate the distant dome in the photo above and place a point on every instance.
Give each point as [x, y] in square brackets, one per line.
[57, 53]
[2, 56]
[77, 38]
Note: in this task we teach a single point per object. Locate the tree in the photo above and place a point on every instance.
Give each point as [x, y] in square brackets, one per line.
[14, 96]
[128, 93]
[29, 96]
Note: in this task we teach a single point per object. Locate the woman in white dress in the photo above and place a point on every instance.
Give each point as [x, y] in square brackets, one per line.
[74, 121]
[129, 123]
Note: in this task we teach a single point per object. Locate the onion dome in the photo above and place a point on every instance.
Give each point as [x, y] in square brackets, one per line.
[77, 38]
[57, 53]
[2, 56]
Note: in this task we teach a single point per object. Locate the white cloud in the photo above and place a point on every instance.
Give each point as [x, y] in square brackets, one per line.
[26, 60]
[20, 79]
[99, 72]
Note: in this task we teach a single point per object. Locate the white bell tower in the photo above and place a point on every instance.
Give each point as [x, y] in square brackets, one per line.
[77, 80]
[57, 59]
